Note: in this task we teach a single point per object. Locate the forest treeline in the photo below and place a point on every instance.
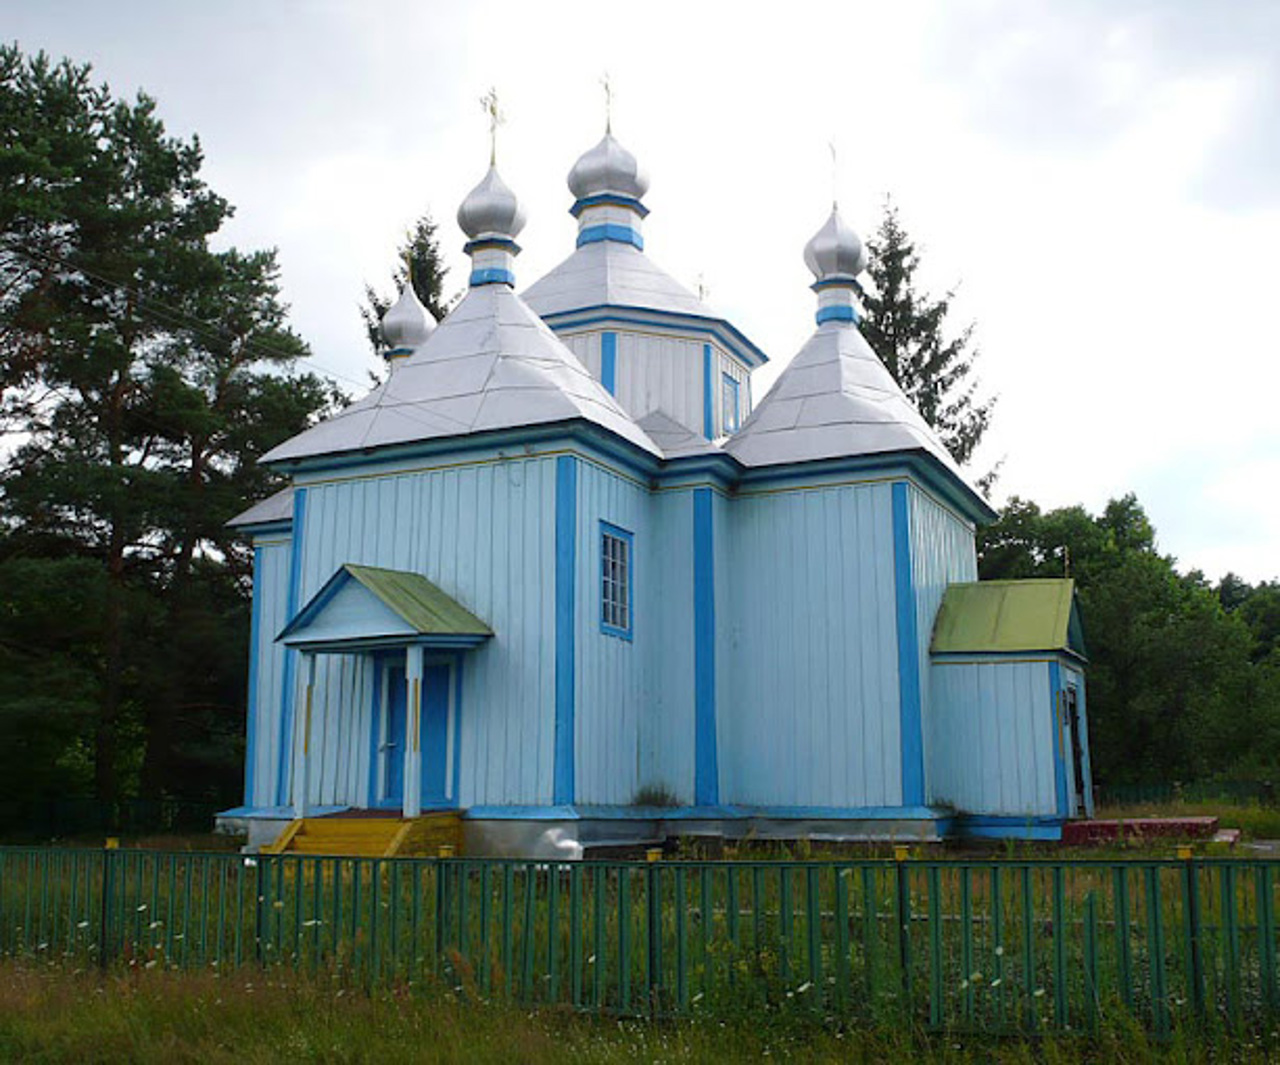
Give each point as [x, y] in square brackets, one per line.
[143, 373]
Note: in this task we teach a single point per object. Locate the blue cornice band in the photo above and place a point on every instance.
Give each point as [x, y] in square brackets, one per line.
[610, 231]
[608, 199]
[835, 281]
[491, 243]
[492, 276]
[837, 314]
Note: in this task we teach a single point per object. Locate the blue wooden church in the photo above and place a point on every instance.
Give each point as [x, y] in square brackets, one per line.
[559, 577]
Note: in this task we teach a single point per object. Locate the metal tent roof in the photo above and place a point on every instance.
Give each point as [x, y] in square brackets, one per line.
[1009, 616]
[491, 364]
[835, 400]
[614, 273]
[275, 508]
[363, 607]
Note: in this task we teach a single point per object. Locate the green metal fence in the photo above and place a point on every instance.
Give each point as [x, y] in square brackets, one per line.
[989, 946]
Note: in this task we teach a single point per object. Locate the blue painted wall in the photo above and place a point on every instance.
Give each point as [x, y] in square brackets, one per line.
[809, 676]
[612, 678]
[991, 737]
[483, 531]
[272, 582]
[942, 552]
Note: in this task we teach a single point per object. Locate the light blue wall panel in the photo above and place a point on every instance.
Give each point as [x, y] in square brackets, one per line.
[341, 721]
[484, 533]
[991, 737]
[666, 721]
[943, 551]
[612, 681]
[809, 699]
[272, 584]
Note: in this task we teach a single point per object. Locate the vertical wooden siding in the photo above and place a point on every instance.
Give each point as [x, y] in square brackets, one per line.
[992, 739]
[943, 552]
[272, 587]
[485, 534]
[809, 703]
[611, 678]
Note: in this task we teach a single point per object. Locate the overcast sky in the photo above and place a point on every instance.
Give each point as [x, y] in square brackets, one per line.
[1100, 179]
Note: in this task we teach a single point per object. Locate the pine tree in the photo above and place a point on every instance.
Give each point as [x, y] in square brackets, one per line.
[419, 253]
[146, 373]
[906, 328]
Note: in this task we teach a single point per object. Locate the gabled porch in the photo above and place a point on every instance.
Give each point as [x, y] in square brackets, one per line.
[414, 637]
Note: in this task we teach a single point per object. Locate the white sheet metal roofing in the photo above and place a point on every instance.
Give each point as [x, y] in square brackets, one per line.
[675, 439]
[491, 364]
[614, 273]
[275, 508]
[835, 400]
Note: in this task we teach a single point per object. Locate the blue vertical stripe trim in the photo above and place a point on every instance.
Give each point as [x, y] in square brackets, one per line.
[1059, 755]
[708, 412]
[909, 716]
[566, 564]
[457, 729]
[290, 655]
[706, 765]
[609, 362]
[375, 731]
[251, 707]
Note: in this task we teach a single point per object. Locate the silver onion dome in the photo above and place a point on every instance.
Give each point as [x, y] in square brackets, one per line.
[407, 322]
[835, 250]
[608, 167]
[491, 209]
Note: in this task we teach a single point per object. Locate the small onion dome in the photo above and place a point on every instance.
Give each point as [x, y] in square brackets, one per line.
[491, 209]
[407, 322]
[608, 167]
[835, 250]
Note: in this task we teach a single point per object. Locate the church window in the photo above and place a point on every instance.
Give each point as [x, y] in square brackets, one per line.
[615, 581]
[730, 420]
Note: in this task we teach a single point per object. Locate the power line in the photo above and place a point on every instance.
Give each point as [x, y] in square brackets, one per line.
[174, 317]
[171, 316]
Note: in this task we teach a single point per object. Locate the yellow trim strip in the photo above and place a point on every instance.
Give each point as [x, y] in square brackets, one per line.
[306, 728]
[417, 714]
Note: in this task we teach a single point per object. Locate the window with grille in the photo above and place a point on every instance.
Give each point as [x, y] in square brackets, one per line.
[615, 581]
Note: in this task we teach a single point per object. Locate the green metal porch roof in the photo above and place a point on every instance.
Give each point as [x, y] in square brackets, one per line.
[1001, 617]
[392, 608]
[419, 602]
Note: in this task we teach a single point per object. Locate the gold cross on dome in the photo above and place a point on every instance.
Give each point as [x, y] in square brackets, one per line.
[489, 101]
[608, 102]
[835, 176]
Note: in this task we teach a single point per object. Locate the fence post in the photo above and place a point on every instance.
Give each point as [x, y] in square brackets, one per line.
[1155, 952]
[904, 922]
[259, 899]
[654, 931]
[1266, 937]
[109, 852]
[1091, 996]
[1191, 930]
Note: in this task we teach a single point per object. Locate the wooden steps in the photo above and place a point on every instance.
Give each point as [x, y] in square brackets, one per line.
[371, 837]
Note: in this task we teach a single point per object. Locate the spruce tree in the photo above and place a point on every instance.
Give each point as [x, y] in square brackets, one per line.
[419, 256]
[907, 329]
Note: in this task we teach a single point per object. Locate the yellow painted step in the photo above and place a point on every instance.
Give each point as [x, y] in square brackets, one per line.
[371, 837]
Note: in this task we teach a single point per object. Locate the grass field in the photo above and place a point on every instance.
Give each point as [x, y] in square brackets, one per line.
[49, 1015]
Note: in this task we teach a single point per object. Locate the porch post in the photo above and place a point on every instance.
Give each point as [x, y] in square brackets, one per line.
[413, 728]
[302, 779]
